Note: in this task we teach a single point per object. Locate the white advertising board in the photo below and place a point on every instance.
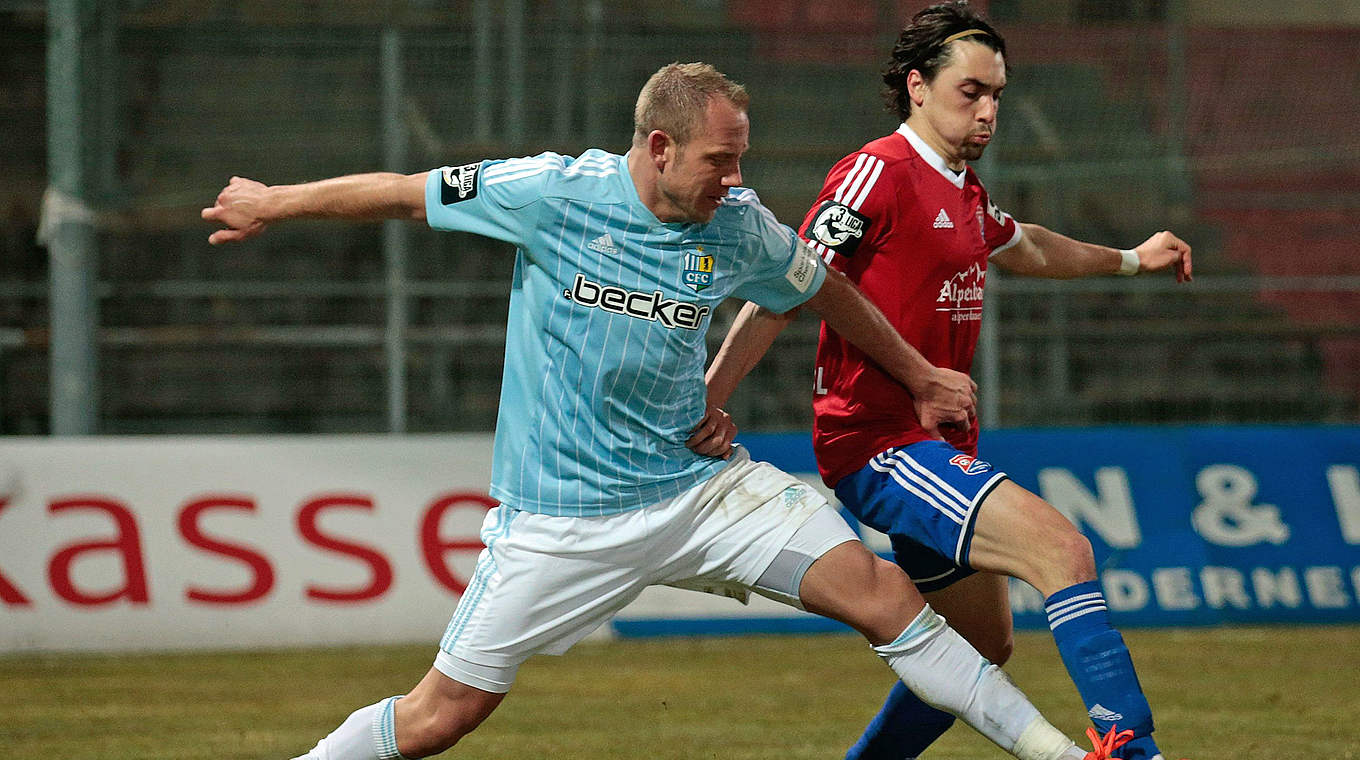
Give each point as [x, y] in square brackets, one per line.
[156, 543]
[114, 543]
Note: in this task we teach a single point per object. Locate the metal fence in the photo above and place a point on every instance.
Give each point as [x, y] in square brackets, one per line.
[1223, 349]
[1118, 121]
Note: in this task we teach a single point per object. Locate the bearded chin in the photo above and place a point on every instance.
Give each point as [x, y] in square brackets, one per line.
[972, 152]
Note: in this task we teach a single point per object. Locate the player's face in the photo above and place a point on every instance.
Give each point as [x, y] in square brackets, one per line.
[693, 185]
[956, 113]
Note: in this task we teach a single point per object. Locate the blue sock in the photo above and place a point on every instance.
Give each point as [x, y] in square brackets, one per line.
[1099, 663]
[903, 728]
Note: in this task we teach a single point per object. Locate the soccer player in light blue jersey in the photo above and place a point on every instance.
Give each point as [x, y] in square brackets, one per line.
[612, 470]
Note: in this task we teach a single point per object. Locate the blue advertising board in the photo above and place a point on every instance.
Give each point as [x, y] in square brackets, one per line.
[1190, 525]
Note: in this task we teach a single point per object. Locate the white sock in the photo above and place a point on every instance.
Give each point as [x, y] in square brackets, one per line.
[369, 733]
[947, 673]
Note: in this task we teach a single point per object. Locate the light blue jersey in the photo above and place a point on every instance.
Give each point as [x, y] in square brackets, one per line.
[605, 350]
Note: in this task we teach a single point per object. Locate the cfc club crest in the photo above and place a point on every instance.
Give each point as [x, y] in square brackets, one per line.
[698, 273]
[969, 465]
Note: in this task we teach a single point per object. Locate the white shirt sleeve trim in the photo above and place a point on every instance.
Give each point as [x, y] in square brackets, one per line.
[1019, 233]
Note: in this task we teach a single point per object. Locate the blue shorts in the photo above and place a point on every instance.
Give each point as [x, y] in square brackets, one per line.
[925, 497]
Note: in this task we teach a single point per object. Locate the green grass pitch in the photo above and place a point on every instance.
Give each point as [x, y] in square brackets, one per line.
[1285, 693]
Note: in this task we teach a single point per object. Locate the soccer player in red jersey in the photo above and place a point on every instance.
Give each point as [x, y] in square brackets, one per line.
[907, 220]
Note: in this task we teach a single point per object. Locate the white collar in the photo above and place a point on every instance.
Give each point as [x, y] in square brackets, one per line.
[931, 157]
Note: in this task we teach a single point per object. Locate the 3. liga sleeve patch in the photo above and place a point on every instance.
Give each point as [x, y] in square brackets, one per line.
[838, 227]
[460, 183]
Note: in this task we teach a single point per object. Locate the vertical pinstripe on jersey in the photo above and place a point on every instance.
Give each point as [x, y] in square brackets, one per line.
[596, 404]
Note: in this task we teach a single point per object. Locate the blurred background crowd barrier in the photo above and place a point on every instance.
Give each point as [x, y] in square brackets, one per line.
[1231, 123]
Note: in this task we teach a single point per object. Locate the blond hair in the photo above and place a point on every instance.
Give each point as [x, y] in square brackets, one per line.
[676, 97]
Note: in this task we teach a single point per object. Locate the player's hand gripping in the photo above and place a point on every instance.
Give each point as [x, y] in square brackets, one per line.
[714, 434]
[1164, 250]
[239, 208]
[949, 399]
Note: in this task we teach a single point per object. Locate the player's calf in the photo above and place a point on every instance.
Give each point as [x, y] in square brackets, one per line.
[1100, 665]
[439, 712]
[432, 718]
[948, 674]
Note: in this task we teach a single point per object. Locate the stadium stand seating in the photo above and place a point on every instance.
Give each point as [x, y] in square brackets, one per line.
[1084, 109]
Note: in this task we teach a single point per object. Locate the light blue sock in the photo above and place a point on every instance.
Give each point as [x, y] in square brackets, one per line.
[1099, 663]
[903, 728]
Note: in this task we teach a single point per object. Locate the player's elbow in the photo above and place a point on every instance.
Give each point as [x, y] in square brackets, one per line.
[783, 317]
[411, 190]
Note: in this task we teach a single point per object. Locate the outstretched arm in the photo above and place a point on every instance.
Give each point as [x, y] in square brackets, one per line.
[1044, 253]
[245, 207]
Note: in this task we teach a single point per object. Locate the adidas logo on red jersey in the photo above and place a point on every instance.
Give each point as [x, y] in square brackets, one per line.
[942, 221]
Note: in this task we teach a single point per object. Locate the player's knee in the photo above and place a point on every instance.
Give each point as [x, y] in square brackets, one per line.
[885, 608]
[894, 601]
[1063, 556]
[1075, 556]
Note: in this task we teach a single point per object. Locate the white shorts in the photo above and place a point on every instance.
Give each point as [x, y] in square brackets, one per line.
[545, 582]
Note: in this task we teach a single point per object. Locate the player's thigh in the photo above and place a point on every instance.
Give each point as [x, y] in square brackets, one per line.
[542, 583]
[760, 529]
[752, 527]
[1019, 534]
[978, 607]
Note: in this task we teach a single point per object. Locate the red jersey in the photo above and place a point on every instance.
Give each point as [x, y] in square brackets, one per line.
[915, 237]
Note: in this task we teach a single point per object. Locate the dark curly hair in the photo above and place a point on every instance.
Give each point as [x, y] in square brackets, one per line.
[922, 47]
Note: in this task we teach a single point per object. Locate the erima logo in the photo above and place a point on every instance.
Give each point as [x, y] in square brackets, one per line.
[653, 307]
[1099, 712]
[460, 183]
[942, 221]
[603, 244]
